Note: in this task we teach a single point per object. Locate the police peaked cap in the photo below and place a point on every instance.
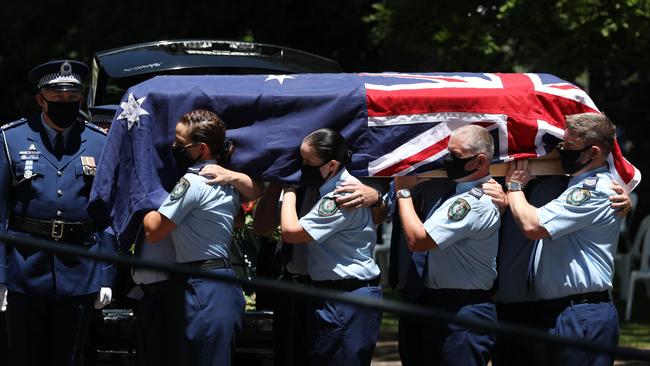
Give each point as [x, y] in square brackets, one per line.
[59, 75]
[102, 113]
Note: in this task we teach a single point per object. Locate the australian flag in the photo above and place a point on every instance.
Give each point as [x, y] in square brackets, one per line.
[395, 124]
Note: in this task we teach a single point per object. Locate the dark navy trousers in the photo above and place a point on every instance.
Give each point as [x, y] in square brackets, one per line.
[345, 334]
[47, 330]
[213, 314]
[454, 344]
[594, 322]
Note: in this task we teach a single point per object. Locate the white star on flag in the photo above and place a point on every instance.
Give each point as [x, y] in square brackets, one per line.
[131, 110]
[279, 78]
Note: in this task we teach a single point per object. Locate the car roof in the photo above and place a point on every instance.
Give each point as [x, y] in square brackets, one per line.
[177, 55]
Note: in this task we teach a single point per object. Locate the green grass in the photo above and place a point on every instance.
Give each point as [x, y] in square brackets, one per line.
[635, 335]
[389, 323]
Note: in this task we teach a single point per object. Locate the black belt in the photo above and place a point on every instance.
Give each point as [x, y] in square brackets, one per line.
[459, 294]
[347, 284]
[216, 263]
[55, 229]
[586, 298]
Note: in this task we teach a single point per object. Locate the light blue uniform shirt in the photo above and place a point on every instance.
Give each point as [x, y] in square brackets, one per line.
[467, 247]
[204, 216]
[343, 239]
[578, 256]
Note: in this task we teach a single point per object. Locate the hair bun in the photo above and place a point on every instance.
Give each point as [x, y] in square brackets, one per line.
[348, 157]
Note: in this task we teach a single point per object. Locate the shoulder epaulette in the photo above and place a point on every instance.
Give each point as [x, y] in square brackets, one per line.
[590, 183]
[95, 128]
[13, 124]
[477, 192]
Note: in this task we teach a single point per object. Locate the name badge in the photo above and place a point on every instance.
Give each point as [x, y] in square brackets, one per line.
[88, 163]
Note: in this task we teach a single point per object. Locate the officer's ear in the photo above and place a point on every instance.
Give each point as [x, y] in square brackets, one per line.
[204, 150]
[40, 100]
[477, 162]
[483, 159]
[333, 165]
[592, 153]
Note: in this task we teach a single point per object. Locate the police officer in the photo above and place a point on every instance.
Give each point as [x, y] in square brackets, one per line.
[461, 239]
[200, 220]
[47, 165]
[339, 247]
[571, 267]
[515, 302]
[291, 338]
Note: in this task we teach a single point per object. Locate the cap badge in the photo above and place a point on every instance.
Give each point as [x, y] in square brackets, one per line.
[66, 69]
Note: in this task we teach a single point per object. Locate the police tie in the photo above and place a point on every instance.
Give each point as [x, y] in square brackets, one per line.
[59, 146]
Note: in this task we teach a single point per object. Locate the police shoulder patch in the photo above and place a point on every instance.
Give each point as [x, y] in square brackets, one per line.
[476, 192]
[578, 196]
[458, 210]
[327, 207]
[179, 189]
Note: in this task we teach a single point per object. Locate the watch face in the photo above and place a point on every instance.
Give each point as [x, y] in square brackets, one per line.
[513, 186]
[403, 193]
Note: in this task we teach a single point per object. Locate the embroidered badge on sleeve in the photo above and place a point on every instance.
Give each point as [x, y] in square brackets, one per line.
[179, 189]
[578, 196]
[327, 207]
[458, 210]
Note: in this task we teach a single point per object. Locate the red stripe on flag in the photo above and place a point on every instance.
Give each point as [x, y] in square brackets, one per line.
[564, 87]
[624, 169]
[383, 103]
[521, 136]
[414, 159]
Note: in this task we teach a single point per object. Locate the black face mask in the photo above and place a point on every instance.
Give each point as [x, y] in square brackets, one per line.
[311, 177]
[455, 166]
[183, 158]
[62, 114]
[569, 159]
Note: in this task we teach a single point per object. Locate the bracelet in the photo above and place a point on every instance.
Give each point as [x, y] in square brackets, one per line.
[378, 203]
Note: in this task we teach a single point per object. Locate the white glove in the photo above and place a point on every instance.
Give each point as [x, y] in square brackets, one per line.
[3, 297]
[103, 297]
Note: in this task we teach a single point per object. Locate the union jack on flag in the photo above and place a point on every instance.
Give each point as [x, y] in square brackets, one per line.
[395, 124]
[526, 113]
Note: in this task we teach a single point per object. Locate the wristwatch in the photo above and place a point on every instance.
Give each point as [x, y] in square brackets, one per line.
[403, 193]
[514, 186]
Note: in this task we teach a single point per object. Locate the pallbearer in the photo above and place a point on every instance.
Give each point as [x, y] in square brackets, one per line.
[339, 245]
